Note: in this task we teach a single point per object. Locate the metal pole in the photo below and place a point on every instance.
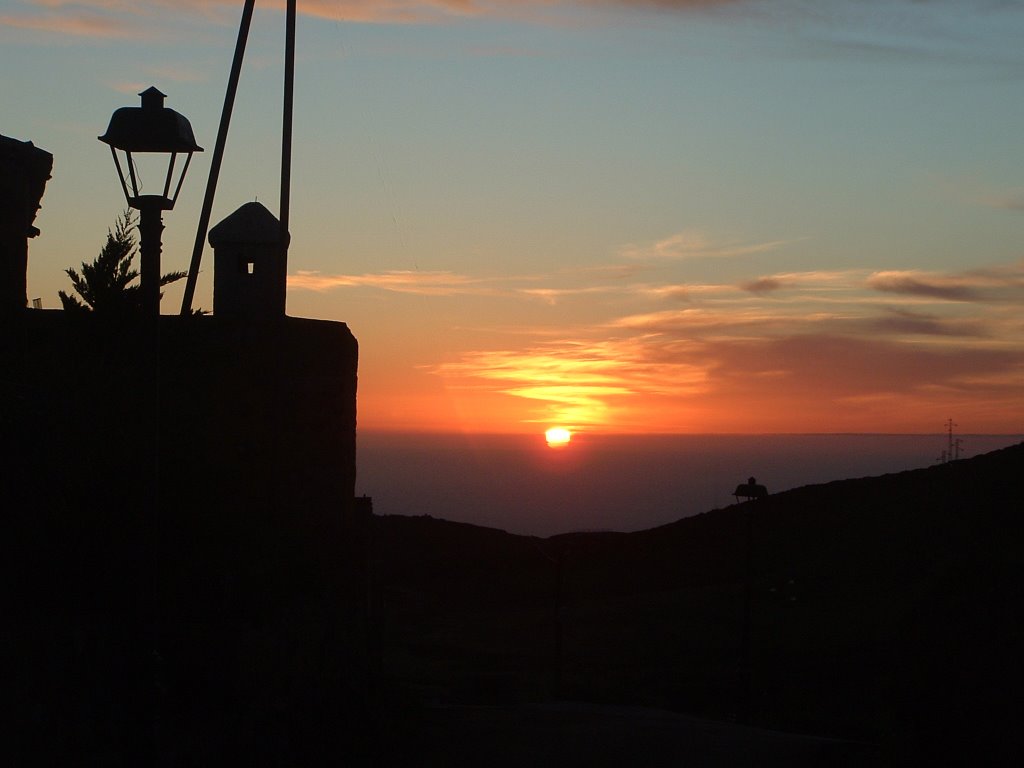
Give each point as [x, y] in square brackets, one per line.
[286, 146]
[151, 227]
[218, 156]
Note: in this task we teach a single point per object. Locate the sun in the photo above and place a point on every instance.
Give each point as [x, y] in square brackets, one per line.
[558, 437]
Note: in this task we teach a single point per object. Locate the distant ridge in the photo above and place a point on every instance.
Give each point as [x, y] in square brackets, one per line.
[883, 608]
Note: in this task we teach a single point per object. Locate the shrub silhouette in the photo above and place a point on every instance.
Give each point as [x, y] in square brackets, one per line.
[106, 284]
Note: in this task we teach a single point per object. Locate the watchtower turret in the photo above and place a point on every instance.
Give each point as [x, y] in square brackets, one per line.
[248, 264]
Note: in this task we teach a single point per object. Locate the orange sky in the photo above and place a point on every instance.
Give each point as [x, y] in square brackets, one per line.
[688, 216]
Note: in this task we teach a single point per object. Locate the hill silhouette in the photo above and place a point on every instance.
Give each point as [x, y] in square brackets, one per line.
[883, 610]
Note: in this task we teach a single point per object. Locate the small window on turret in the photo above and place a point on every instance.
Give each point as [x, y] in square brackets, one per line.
[246, 265]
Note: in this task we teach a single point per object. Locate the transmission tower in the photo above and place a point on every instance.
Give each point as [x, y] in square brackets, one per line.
[953, 444]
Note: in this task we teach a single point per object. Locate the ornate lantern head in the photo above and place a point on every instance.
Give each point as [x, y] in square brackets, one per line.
[141, 140]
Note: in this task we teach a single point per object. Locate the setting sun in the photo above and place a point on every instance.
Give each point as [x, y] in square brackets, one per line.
[558, 437]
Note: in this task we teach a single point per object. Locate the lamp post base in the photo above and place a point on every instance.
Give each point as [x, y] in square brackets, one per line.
[151, 227]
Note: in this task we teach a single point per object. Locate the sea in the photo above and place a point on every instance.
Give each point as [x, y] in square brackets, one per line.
[619, 482]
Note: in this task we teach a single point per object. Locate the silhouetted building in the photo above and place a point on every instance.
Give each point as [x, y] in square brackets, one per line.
[750, 490]
[24, 171]
[248, 264]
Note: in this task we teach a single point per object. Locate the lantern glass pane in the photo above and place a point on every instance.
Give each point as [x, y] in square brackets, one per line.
[151, 174]
[150, 169]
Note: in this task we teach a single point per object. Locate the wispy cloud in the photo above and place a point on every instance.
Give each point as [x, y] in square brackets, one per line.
[697, 245]
[1007, 200]
[76, 23]
[105, 18]
[699, 321]
[901, 28]
[725, 322]
[763, 285]
[838, 366]
[552, 295]
[389, 11]
[425, 11]
[916, 284]
[905, 322]
[1006, 284]
[819, 281]
[134, 86]
[399, 281]
[684, 293]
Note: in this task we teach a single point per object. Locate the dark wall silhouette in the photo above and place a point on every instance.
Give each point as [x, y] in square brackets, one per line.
[24, 171]
[176, 495]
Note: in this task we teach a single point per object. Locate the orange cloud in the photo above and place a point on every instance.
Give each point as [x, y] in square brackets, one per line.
[836, 366]
[388, 11]
[104, 18]
[76, 24]
[420, 11]
[162, 74]
[135, 87]
[793, 383]
[733, 358]
[578, 383]
[826, 356]
[828, 384]
[701, 321]
[109, 5]
[71, 17]
[399, 281]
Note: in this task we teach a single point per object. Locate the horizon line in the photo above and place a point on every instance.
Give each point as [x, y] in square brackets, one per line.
[588, 433]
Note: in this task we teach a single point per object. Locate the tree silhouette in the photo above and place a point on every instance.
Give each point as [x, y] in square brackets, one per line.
[105, 285]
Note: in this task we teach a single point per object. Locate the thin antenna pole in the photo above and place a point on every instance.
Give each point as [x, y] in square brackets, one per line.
[218, 156]
[286, 144]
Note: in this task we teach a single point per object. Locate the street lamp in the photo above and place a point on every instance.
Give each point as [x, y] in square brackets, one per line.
[153, 132]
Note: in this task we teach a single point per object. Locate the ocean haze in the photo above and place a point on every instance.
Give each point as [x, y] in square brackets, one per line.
[617, 482]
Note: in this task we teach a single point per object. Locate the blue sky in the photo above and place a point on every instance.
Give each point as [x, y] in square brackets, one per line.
[616, 216]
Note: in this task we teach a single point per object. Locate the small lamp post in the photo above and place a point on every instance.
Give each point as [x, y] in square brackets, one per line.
[152, 131]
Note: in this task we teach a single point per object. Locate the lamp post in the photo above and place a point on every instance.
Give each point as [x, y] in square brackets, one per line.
[157, 134]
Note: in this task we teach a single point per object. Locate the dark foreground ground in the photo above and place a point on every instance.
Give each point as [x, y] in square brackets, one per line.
[574, 734]
[872, 621]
